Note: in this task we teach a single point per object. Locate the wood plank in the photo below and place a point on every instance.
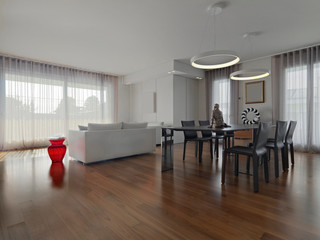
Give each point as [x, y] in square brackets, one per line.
[130, 198]
[18, 231]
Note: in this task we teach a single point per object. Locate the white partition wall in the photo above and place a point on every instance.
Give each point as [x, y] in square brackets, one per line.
[164, 100]
[177, 95]
[265, 108]
[185, 102]
[123, 102]
[155, 92]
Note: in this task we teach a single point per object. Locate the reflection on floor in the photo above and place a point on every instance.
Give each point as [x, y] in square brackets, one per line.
[130, 198]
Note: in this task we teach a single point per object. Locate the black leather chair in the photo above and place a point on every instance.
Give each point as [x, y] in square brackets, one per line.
[191, 136]
[257, 152]
[277, 144]
[227, 136]
[289, 142]
[209, 134]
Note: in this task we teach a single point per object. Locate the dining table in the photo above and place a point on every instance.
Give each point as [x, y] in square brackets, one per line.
[167, 141]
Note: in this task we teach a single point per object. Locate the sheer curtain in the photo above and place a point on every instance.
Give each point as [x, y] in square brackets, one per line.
[40, 100]
[296, 94]
[225, 92]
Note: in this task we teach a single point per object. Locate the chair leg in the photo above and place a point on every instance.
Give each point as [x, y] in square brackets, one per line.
[266, 168]
[184, 149]
[196, 150]
[236, 165]
[215, 145]
[255, 174]
[283, 155]
[200, 150]
[217, 148]
[211, 149]
[276, 162]
[285, 160]
[292, 154]
[224, 160]
[248, 164]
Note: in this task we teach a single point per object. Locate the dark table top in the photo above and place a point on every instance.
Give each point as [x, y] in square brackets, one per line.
[233, 127]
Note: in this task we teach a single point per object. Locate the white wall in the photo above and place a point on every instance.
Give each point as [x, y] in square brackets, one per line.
[265, 108]
[165, 100]
[123, 102]
[136, 102]
[185, 102]
[177, 98]
[140, 93]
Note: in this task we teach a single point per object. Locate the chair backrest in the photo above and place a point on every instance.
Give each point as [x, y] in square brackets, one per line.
[205, 123]
[261, 138]
[289, 135]
[281, 129]
[189, 134]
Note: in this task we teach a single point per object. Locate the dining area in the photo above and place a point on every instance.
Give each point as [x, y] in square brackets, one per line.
[262, 151]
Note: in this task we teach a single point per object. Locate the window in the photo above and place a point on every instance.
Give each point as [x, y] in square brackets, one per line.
[316, 104]
[221, 95]
[301, 104]
[40, 101]
[295, 100]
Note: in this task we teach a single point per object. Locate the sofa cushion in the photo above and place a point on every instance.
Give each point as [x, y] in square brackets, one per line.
[134, 125]
[104, 126]
[83, 128]
[155, 124]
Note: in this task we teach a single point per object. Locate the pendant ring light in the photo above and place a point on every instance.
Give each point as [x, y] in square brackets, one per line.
[215, 59]
[249, 74]
[202, 60]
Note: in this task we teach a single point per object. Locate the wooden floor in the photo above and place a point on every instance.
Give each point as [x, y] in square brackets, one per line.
[130, 198]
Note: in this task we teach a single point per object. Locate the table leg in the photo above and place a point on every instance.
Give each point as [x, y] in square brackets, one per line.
[167, 150]
[200, 151]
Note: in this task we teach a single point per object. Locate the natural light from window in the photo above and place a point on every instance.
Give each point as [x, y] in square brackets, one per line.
[221, 95]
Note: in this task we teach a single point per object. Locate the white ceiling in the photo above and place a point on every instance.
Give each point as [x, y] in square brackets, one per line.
[126, 36]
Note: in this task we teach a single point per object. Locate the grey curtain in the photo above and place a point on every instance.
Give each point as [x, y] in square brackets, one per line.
[40, 100]
[296, 94]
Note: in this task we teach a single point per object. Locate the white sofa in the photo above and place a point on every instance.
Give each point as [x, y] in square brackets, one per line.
[158, 126]
[99, 143]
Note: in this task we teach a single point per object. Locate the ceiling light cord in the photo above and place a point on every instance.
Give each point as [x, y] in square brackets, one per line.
[203, 35]
[214, 32]
[249, 74]
[214, 59]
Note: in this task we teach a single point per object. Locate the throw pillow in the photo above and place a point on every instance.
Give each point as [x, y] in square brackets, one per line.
[82, 128]
[155, 124]
[134, 125]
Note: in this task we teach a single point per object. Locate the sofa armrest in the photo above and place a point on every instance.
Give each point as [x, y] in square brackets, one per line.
[158, 130]
[77, 144]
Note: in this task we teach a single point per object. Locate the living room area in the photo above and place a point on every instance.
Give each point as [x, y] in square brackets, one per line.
[112, 79]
